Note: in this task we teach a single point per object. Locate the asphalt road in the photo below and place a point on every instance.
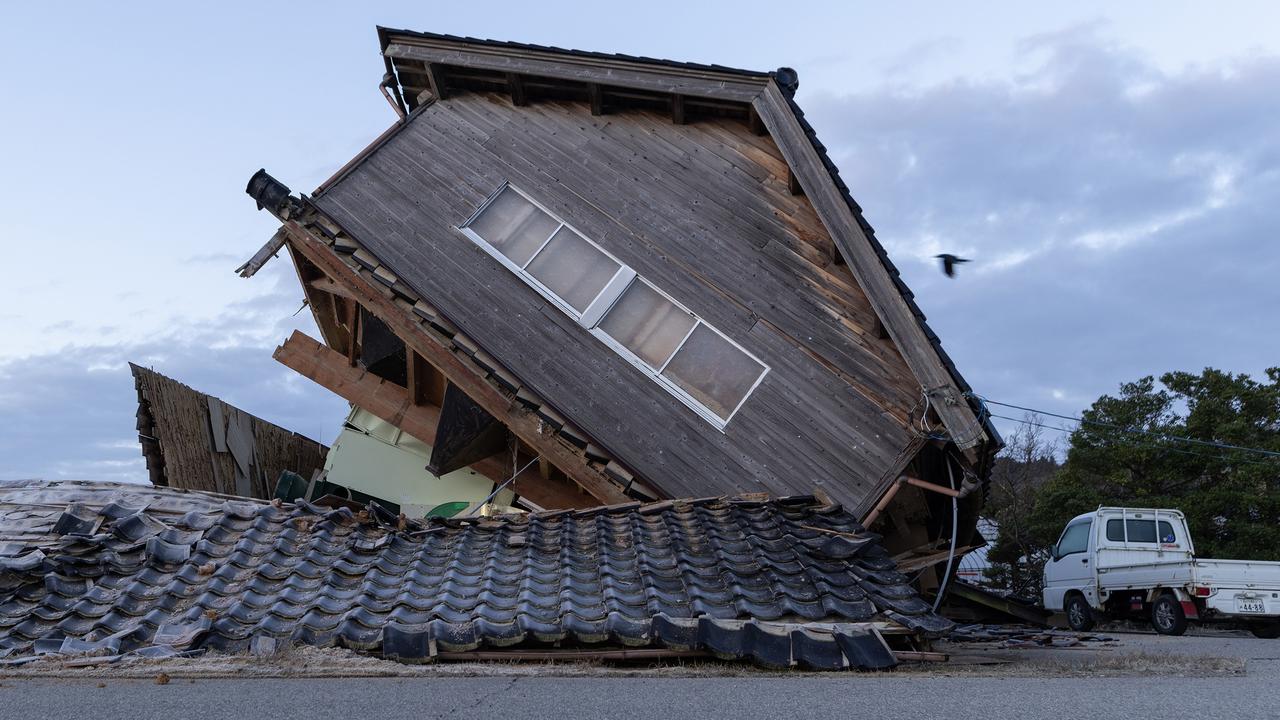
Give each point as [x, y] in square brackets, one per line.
[844, 696]
[907, 697]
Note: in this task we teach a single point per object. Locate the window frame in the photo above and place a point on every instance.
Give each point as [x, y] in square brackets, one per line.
[608, 296]
[1155, 521]
[1088, 524]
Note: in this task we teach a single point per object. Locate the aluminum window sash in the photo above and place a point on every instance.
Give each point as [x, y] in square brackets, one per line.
[604, 301]
[543, 246]
[702, 411]
[697, 321]
[609, 295]
[520, 272]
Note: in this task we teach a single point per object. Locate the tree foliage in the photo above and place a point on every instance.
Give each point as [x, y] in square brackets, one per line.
[1124, 454]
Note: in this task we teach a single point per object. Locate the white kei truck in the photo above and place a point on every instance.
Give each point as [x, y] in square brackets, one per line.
[1129, 562]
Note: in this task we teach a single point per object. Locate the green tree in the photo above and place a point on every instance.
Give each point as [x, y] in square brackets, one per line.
[1123, 455]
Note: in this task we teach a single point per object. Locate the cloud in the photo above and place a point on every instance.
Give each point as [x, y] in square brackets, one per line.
[1121, 218]
[70, 412]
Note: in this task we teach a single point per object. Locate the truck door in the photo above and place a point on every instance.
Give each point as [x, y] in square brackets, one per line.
[1071, 569]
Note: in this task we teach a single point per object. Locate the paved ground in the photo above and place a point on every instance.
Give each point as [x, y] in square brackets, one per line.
[883, 697]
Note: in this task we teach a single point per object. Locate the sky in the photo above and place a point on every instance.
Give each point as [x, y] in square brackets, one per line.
[1112, 169]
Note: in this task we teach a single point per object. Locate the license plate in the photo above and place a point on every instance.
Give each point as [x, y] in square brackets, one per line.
[1250, 606]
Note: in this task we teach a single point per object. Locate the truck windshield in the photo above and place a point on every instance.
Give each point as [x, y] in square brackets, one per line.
[1075, 539]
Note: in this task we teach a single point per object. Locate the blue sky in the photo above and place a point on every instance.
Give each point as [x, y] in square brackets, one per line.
[1111, 168]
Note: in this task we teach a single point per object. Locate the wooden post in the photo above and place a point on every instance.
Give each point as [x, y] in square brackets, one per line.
[515, 84]
[353, 328]
[596, 96]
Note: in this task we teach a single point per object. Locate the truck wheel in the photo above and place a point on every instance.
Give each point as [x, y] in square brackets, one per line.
[1266, 630]
[1079, 614]
[1167, 616]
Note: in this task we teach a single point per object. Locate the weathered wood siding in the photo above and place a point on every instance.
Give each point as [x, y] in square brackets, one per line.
[701, 210]
[180, 450]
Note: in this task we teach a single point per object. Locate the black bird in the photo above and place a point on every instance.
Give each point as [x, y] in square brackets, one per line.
[949, 263]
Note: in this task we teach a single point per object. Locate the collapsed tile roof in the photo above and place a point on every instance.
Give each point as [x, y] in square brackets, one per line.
[782, 582]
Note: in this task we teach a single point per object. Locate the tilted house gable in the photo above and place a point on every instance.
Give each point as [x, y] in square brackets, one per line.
[660, 253]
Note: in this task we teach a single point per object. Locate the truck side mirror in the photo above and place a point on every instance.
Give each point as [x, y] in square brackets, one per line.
[1053, 552]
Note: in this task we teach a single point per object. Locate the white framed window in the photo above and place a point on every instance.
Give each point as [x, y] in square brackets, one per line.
[695, 362]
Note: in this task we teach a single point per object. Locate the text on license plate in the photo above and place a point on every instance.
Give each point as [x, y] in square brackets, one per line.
[1250, 606]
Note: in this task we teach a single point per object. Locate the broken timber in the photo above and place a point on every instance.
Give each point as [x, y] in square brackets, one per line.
[524, 425]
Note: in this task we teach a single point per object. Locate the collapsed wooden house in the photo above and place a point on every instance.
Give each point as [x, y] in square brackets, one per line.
[624, 279]
[195, 441]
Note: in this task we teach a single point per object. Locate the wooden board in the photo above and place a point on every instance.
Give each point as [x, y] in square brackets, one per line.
[703, 211]
[182, 451]
[901, 324]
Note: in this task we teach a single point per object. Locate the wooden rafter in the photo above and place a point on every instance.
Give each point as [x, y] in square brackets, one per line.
[892, 309]
[526, 426]
[620, 73]
[328, 368]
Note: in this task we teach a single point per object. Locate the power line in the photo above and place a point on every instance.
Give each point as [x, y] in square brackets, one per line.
[1136, 431]
[1162, 448]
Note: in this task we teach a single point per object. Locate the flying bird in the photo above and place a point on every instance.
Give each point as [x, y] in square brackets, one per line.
[949, 263]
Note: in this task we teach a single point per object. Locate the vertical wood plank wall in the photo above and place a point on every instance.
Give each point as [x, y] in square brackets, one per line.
[703, 211]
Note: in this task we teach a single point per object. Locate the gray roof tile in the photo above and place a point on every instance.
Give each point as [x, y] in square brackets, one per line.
[742, 579]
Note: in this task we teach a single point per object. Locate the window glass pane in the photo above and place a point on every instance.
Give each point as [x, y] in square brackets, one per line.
[1075, 539]
[1143, 531]
[514, 226]
[572, 268]
[1115, 530]
[647, 323]
[1166, 533]
[714, 371]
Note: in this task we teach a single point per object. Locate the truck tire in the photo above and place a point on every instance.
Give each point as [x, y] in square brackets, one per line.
[1167, 616]
[1266, 630]
[1079, 614]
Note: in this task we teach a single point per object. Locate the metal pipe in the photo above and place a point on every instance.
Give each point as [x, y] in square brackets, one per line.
[955, 526]
[932, 487]
[884, 503]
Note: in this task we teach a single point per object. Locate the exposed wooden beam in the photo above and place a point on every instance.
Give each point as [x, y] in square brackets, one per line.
[322, 306]
[263, 256]
[754, 122]
[328, 368]
[596, 95]
[412, 383]
[435, 78]
[324, 284]
[466, 433]
[793, 183]
[527, 427]
[618, 73]
[920, 355]
[515, 84]
[353, 329]
[677, 110]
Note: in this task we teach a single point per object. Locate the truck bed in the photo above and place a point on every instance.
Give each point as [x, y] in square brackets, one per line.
[1248, 574]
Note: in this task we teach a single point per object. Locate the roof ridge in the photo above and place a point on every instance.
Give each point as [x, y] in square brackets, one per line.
[511, 44]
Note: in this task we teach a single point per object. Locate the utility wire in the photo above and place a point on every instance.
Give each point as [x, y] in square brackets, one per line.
[1137, 431]
[1024, 421]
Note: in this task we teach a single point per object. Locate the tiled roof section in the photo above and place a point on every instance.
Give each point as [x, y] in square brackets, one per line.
[781, 582]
